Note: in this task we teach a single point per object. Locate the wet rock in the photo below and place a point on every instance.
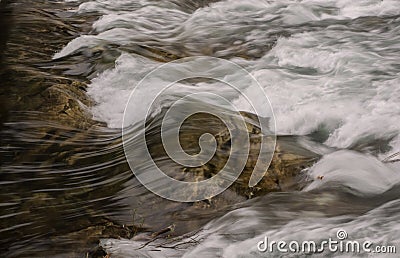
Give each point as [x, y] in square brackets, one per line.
[69, 104]
[31, 81]
[97, 252]
[283, 174]
[107, 229]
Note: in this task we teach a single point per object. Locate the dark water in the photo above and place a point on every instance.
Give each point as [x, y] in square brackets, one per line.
[47, 192]
[331, 70]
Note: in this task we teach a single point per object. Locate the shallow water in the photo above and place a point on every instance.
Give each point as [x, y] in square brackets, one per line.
[330, 70]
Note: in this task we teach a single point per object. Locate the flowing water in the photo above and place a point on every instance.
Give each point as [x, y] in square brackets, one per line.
[332, 74]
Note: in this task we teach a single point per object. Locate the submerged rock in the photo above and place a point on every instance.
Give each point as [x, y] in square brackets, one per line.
[68, 104]
[283, 174]
[84, 189]
[31, 81]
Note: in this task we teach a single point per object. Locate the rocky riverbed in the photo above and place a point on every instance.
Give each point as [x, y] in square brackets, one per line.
[52, 146]
[65, 181]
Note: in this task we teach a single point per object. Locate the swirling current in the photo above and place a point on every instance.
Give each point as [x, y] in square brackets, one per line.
[330, 70]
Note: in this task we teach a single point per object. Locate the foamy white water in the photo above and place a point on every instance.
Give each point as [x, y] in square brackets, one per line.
[330, 69]
[238, 233]
[361, 174]
[296, 216]
[337, 75]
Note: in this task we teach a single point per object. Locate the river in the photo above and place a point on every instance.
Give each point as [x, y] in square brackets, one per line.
[330, 70]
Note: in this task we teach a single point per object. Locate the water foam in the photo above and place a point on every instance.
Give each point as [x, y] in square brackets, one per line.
[237, 233]
[361, 174]
[342, 77]
[315, 80]
[339, 76]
